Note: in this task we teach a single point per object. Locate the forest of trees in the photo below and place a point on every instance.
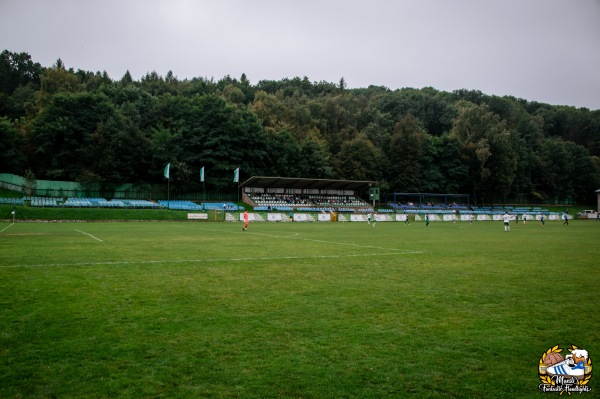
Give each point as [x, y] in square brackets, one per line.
[84, 126]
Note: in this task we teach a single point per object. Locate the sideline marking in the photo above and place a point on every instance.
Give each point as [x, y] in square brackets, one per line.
[2, 231]
[295, 237]
[88, 234]
[143, 262]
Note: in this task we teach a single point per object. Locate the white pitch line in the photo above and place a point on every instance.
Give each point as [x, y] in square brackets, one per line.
[328, 242]
[244, 259]
[88, 234]
[2, 231]
[295, 237]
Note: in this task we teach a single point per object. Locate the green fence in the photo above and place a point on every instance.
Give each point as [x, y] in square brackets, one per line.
[155, 192]
[68, 189]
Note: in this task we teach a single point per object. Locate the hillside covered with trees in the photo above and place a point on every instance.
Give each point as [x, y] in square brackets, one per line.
[85, 126]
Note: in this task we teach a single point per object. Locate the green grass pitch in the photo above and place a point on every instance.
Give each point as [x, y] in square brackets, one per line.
[292, 310]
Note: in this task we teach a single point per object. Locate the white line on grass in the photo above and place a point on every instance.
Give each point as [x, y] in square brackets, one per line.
[2, 231]
[145, 262]
[294, 237]
[88, 234]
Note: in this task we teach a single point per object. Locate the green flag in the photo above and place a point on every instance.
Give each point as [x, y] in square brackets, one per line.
[236, 175]
[167, 170]
[202, 174]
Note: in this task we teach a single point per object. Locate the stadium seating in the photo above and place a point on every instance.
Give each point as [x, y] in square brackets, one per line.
[316, 202]
[279, 208]
[181, 205]
[281, 203]
[337, 200]
[45, 201]
[140, 204]
[12, 201]
[77, 203]
[440, 209]
[315, 209]
[366, 210]
[103, 203]
[227, 206]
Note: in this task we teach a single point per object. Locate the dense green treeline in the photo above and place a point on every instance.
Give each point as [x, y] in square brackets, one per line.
[83, 126]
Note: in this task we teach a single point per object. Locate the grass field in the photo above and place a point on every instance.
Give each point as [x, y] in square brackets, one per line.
[292, 310]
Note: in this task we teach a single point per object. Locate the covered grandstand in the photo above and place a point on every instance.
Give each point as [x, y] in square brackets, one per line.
[291, 193]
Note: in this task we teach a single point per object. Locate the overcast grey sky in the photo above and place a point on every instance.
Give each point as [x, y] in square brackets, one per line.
[539, 50]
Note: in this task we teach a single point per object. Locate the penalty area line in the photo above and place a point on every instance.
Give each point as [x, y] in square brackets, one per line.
[88, 234]
[241, 259]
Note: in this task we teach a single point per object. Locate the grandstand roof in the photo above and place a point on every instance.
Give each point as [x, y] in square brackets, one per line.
[301, 183]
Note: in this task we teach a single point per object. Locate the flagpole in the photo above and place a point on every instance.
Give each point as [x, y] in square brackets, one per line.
[167, 174]
[237, 180]
[203, 189]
